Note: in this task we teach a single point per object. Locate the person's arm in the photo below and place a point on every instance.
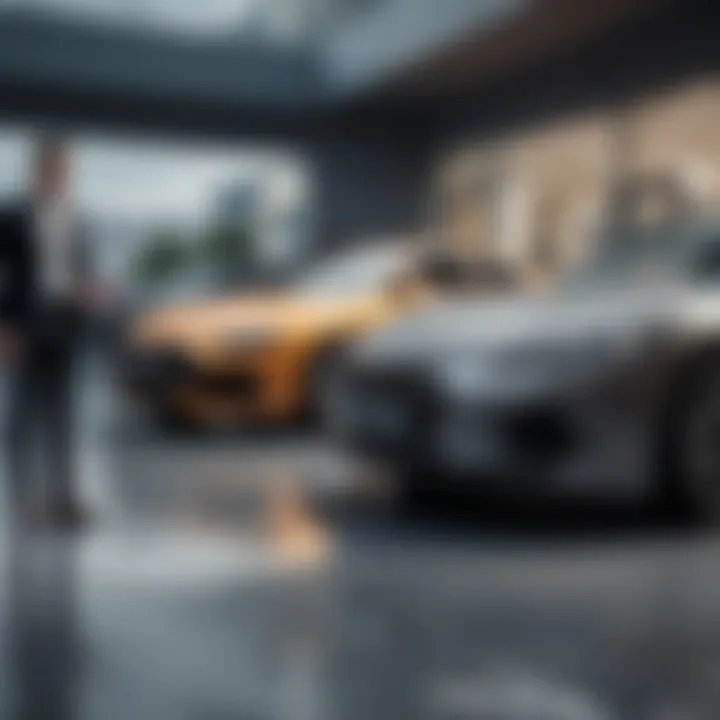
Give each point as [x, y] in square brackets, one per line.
[6, 285]
[15, 279]
[91, 293]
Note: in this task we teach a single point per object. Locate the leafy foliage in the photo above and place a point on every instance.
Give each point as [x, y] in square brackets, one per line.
[222, 249]
[163, 256]
[225, 246]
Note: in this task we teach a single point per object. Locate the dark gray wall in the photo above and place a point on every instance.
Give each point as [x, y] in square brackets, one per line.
[369, 184]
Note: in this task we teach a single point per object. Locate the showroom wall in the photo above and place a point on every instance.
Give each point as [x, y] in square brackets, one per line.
[536, 198]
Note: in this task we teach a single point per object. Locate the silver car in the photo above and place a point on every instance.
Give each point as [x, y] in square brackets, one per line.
[610, 384]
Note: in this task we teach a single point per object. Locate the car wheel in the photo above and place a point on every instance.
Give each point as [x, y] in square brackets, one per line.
[694, 463]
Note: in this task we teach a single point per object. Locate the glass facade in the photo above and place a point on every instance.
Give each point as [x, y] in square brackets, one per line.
[539, 198]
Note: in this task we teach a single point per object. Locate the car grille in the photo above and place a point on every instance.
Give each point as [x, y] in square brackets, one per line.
[154, 369]
[244, 386]
[543, 434]
[391, 410]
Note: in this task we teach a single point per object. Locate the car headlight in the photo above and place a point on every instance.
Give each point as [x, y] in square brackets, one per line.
[467, 374]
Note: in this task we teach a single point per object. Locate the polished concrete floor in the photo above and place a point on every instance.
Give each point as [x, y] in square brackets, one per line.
[238, 577]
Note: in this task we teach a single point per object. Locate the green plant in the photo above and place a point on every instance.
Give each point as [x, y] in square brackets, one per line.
[225, 246]
[162, 257]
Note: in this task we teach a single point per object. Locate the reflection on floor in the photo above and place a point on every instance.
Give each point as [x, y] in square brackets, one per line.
[212, 587]
[190, 597]
[161, 622]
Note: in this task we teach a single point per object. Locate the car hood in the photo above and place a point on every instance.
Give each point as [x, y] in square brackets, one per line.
[231, 315]
[496, 324]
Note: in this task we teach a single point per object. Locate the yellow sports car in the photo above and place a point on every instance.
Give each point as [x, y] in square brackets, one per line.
[266, 358]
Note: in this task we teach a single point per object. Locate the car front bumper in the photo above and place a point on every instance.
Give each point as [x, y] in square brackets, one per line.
[166, 380]
[561, 442]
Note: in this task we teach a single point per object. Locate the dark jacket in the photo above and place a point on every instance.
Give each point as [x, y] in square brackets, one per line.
[20, 300]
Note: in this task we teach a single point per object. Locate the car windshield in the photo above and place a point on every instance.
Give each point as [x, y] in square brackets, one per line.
[360, 272]
[631, 258]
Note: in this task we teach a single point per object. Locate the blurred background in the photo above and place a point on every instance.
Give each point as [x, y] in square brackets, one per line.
[267, 183]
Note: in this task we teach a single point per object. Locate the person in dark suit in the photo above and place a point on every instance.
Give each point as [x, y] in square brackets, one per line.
[45, 293]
